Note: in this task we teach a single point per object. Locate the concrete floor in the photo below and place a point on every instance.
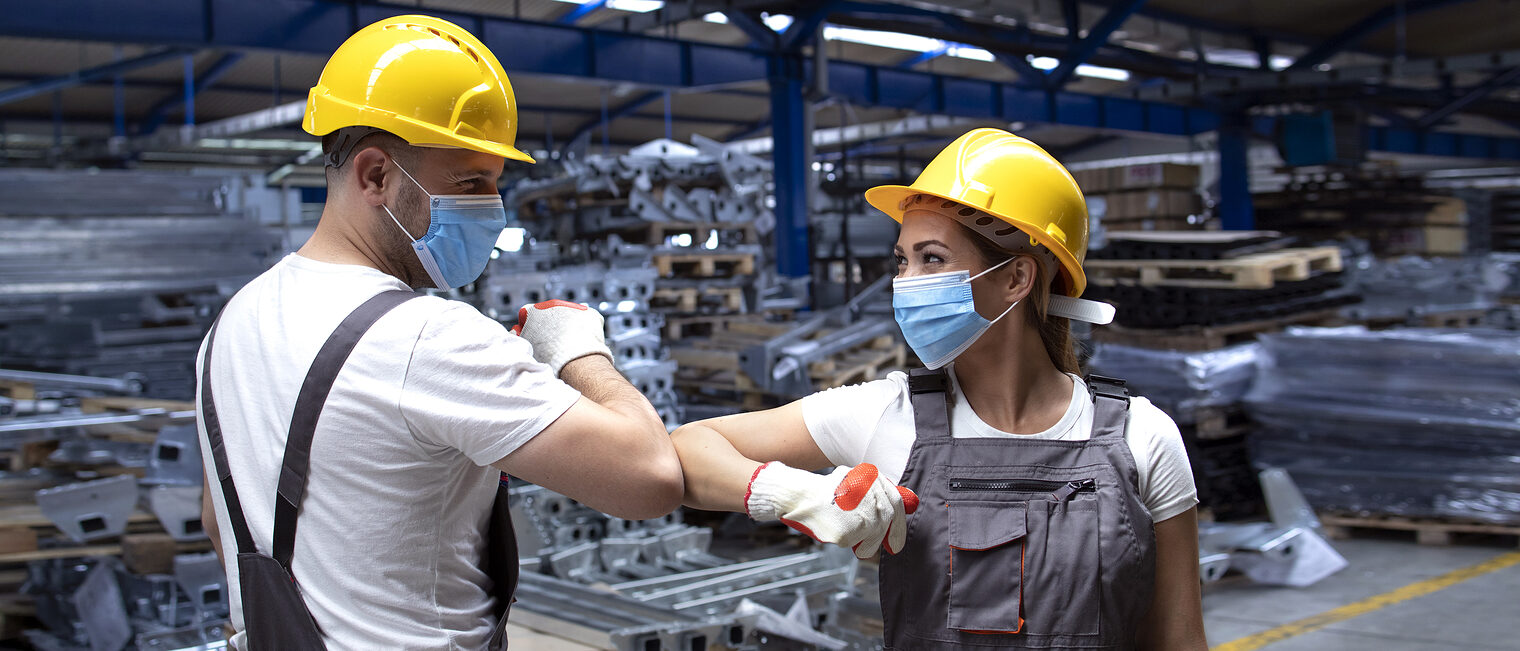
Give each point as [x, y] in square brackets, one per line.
[1481, 613]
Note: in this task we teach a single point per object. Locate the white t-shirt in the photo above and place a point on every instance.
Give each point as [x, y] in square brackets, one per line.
[399, 492]
[873, 422]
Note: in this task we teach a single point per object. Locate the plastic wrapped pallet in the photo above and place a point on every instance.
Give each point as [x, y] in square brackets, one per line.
[1180, 382]
[1419, 423]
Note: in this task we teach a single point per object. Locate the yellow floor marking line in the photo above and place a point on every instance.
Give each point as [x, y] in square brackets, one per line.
[1348, 611]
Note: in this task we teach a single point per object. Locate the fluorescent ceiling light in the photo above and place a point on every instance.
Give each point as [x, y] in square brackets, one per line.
[894, 40]
[969, 52]
[1044, 63]
[1102, 72]
[1280, 62]
[716, 17]
[777, 22]
[635, 6]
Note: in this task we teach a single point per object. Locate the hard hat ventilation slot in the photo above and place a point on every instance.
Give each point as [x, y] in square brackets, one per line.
[967, 212]
[1006, 231]
[984, 221]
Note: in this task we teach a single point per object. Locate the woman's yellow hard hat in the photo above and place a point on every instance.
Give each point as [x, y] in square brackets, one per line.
[1013, 180]
[424, 79]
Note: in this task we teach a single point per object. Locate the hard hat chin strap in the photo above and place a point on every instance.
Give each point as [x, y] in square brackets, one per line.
[347, 139]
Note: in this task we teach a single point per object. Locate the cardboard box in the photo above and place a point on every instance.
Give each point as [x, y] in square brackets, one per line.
[1449, 211]
[1444, 240]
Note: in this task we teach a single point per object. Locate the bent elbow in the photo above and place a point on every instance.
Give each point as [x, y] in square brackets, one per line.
[661, 489]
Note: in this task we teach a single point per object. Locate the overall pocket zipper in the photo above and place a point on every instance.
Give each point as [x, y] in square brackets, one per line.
[1059, 490]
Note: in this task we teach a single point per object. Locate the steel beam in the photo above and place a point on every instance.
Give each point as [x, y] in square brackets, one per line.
[803, 27]
[1096, 38]
[580, 12]
[627, 108]
[1235, 210]
[1363, 28]
[759, 34]
[160, 111]
[1340, 77]
[924, 57]
[835, 136]
[1478, 92]
[792, 158]
[61, 82]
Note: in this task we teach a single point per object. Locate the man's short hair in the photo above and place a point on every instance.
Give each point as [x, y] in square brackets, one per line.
[340, 145]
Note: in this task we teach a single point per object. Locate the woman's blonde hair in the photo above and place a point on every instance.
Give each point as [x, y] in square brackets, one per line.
[1055, 332]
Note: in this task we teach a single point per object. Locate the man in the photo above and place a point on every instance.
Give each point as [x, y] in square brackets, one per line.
[435, 400]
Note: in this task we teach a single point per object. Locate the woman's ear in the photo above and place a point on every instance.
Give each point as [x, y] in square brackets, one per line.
[1022, 275]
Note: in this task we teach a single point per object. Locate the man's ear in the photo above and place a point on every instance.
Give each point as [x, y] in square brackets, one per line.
[368, 174]
[1022, 274]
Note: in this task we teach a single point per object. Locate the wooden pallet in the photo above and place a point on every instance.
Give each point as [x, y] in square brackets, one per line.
[1446, 319]
[678, 328]
[704, 265]
[688, 300]
[1218, 423]
[1260, 271]
[1201, 338]
[882, 355]
[1426, 531]
[661, 233]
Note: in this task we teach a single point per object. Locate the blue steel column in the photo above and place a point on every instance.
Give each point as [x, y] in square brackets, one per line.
[791, 136]
[1235, 210]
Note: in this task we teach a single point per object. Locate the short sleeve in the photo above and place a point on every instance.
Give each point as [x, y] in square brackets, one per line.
[863, 422]
[473, 386]
[1166, 477]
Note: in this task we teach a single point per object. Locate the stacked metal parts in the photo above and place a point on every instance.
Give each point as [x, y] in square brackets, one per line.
[1437, 291]
[657, 585]
[1171, 280]
[1202, 391]
[120, 273]
[664, 239]
[1416, 423]
[103, 492]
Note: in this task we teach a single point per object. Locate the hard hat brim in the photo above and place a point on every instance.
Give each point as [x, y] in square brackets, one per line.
[889, 199]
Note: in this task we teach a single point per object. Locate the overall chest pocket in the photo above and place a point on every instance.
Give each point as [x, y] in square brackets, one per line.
[1024, 557]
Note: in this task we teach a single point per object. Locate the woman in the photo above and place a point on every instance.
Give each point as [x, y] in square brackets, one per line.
[1050, 512]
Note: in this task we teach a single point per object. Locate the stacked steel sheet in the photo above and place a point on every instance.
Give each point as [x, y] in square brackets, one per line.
[1417, 422]
[110, 274]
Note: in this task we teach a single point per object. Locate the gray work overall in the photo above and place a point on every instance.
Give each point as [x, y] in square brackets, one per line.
[275, 618]
[1019, 543]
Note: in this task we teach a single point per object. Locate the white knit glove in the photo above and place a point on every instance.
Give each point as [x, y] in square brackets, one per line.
[562, 332]
[851, 507]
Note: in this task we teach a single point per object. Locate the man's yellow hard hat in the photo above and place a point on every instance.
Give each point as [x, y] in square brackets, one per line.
[424, 79]
[1013, 180]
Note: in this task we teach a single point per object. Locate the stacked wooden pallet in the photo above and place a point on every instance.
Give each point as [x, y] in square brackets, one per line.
[711, 371]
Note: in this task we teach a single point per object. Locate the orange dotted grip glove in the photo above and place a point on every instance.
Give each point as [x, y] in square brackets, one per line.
[850, 507]
[561, 332]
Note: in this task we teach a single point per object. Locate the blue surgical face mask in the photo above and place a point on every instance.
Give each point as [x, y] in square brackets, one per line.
[462, 231]
[937, 315]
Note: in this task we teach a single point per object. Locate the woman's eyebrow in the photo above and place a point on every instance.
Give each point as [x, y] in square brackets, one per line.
[920, 246]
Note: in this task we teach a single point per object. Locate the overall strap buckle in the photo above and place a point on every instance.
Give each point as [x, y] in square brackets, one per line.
[923, 380]
[1107, 387]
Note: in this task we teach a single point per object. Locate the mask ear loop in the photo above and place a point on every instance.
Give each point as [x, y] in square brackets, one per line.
[398, 223]
[393, 215]
[988, 271]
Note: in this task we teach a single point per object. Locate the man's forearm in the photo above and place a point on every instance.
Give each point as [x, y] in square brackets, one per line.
[596, 378]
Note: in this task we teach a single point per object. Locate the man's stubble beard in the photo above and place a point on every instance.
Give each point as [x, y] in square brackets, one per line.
[412, 211]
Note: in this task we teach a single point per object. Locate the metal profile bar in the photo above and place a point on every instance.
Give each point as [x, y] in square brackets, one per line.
[61, 82]
[1096, 37]
[1363, 28]
[1478, 92]
[39, 423]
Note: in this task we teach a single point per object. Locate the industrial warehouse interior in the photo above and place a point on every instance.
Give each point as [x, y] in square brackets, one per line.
[1271, 251]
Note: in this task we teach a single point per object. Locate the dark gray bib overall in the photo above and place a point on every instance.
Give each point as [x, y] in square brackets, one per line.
[1019, 543]
[275, 617]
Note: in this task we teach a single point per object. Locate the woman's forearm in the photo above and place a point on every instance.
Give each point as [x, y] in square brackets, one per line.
[717, 475]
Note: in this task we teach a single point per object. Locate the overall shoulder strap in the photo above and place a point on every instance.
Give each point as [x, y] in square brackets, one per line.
[1110, 399]
[930, 392]
[309, 403]
[219, 452]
